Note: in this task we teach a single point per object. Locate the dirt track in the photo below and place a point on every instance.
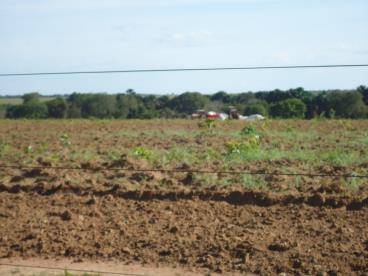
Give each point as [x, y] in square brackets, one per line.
[53, 267]
[205, 234]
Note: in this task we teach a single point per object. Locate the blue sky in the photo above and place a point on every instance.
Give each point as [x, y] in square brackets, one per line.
[72, 35]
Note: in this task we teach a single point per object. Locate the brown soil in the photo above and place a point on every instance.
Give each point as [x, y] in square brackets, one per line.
[195, 233]
[318, 227]
[53, 267]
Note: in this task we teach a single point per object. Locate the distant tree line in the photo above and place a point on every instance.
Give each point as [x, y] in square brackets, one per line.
[292, 103]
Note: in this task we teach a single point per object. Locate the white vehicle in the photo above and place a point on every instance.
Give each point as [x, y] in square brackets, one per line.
[241, 117]
[224, 116]
[255, 117]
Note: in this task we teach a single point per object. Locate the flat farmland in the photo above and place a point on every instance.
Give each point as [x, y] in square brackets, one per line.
[231, 197]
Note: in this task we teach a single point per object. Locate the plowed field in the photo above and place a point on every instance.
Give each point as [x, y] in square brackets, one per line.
[211, 221]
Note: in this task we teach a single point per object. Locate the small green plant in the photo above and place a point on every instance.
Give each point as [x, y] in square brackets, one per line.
[248, 130]
[236, 147]
[28, 149]
[143, 153]
[64, 140]
[207, 124]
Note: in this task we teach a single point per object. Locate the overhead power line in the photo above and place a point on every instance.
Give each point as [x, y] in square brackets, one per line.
[182, 70]
[350, 175]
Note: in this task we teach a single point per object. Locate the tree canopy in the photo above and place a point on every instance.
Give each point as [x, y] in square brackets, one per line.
[292, 103]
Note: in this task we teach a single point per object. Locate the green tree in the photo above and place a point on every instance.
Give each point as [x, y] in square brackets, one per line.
[188, 102]
[364, 91]
[99, 106]
[221, 96]
[243, 98]
[256, 108]
[347, 104]
[31, 97]
[3, 109]
[128, 106]
[290, 108]
[57, 108]
[75, 102]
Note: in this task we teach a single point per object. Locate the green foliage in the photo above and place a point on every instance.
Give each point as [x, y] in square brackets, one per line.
[188, 102]
[348, 105]
[353, 183]
[99, 106]
[292, 103]
[364, 91]
[128, 106]
[29, 110]
[256, 108]
[290, 108]
[240, 148]
[248, 130]
[143, 153]
[178, 154]
[339, 157]
[3, 108]
[28, 149]
[207, 124]
[57, 108]
[221, 96]
[64, 140]
[209, 154]
[253, 181]
[31, 97]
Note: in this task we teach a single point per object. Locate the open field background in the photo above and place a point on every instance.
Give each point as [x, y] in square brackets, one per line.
[220, 222]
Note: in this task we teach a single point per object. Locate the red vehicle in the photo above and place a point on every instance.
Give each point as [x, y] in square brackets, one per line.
[201, 114]
[212, 115]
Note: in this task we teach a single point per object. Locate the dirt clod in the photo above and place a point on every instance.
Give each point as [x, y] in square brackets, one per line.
[66, 215]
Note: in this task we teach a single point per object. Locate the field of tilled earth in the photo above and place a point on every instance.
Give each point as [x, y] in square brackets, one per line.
[163, 193]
